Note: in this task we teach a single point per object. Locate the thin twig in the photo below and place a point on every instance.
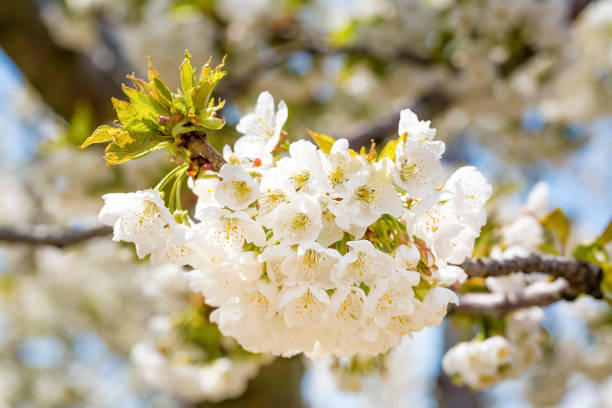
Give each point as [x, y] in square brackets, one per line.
[43, 235]
[428, 105]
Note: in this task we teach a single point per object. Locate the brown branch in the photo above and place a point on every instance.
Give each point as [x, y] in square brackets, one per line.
[576, 8]
[281, 54]
[201, 151]
[573, 277]
[582, 276]
[43, 236]
[60, 75]
[537, 294]
[427, 106]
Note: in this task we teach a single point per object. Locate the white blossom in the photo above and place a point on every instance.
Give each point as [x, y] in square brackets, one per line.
[237, 189]
[261, 129]
[141, 218]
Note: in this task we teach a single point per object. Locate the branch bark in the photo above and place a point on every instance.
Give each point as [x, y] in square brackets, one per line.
[201, 151]
[538, 294]
[582, 276]
[427, 106]
[43, 236]
[573, 277]
[61, 76]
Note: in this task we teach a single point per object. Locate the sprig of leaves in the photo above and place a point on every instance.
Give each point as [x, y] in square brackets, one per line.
[155, 118]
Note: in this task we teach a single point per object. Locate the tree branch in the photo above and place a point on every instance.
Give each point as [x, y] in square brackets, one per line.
[573, 278]
[43, 236]
[537, 294]
[201, 151]
[427, 106]
[582, 276]
[576, 8]
[61, 76]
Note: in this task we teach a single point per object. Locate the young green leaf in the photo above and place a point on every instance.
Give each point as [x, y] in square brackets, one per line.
[161, 93]
[558, 222]
[102, 134]
[606, 236]
[325, 142]
[127, 146]
[188, 79]
[389, 150]
[144, 104]
[128, 116]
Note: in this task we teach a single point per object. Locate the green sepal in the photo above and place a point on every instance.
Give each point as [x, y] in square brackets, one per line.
[213, 123]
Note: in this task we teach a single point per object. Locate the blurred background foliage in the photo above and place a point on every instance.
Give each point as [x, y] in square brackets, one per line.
[521, 89]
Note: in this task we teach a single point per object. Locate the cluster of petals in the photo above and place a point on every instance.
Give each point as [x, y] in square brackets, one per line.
[481, 364]
[223, 378]
[321, 252]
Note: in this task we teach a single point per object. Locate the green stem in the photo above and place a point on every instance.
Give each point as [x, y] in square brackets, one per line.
[168, 176]
[180, 179]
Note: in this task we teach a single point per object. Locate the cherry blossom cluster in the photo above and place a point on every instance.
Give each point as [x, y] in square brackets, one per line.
[185, 372]
[320, 250]
[481, 364]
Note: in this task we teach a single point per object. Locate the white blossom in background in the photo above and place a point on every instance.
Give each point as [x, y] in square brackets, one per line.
[521, 236]
[481, 364]
[321, 252]
[216, 380]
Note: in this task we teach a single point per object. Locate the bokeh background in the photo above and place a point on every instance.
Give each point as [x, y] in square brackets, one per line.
[521, 89]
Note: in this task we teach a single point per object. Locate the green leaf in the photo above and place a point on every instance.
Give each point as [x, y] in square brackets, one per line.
[344, 35]
[129, 117]
[325, 142]
[594, 253]
[606, 282]
[606, 236]
[102, 134]
[389, 150]
[209, 78]
[144, 104]
[127, 146]
[213, 123]
[188, 79]
[160, 90]
[558, 222]
[80, 126]
[199, 96]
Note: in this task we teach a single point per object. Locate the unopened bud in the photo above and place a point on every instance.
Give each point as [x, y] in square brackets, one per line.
[163, 119]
